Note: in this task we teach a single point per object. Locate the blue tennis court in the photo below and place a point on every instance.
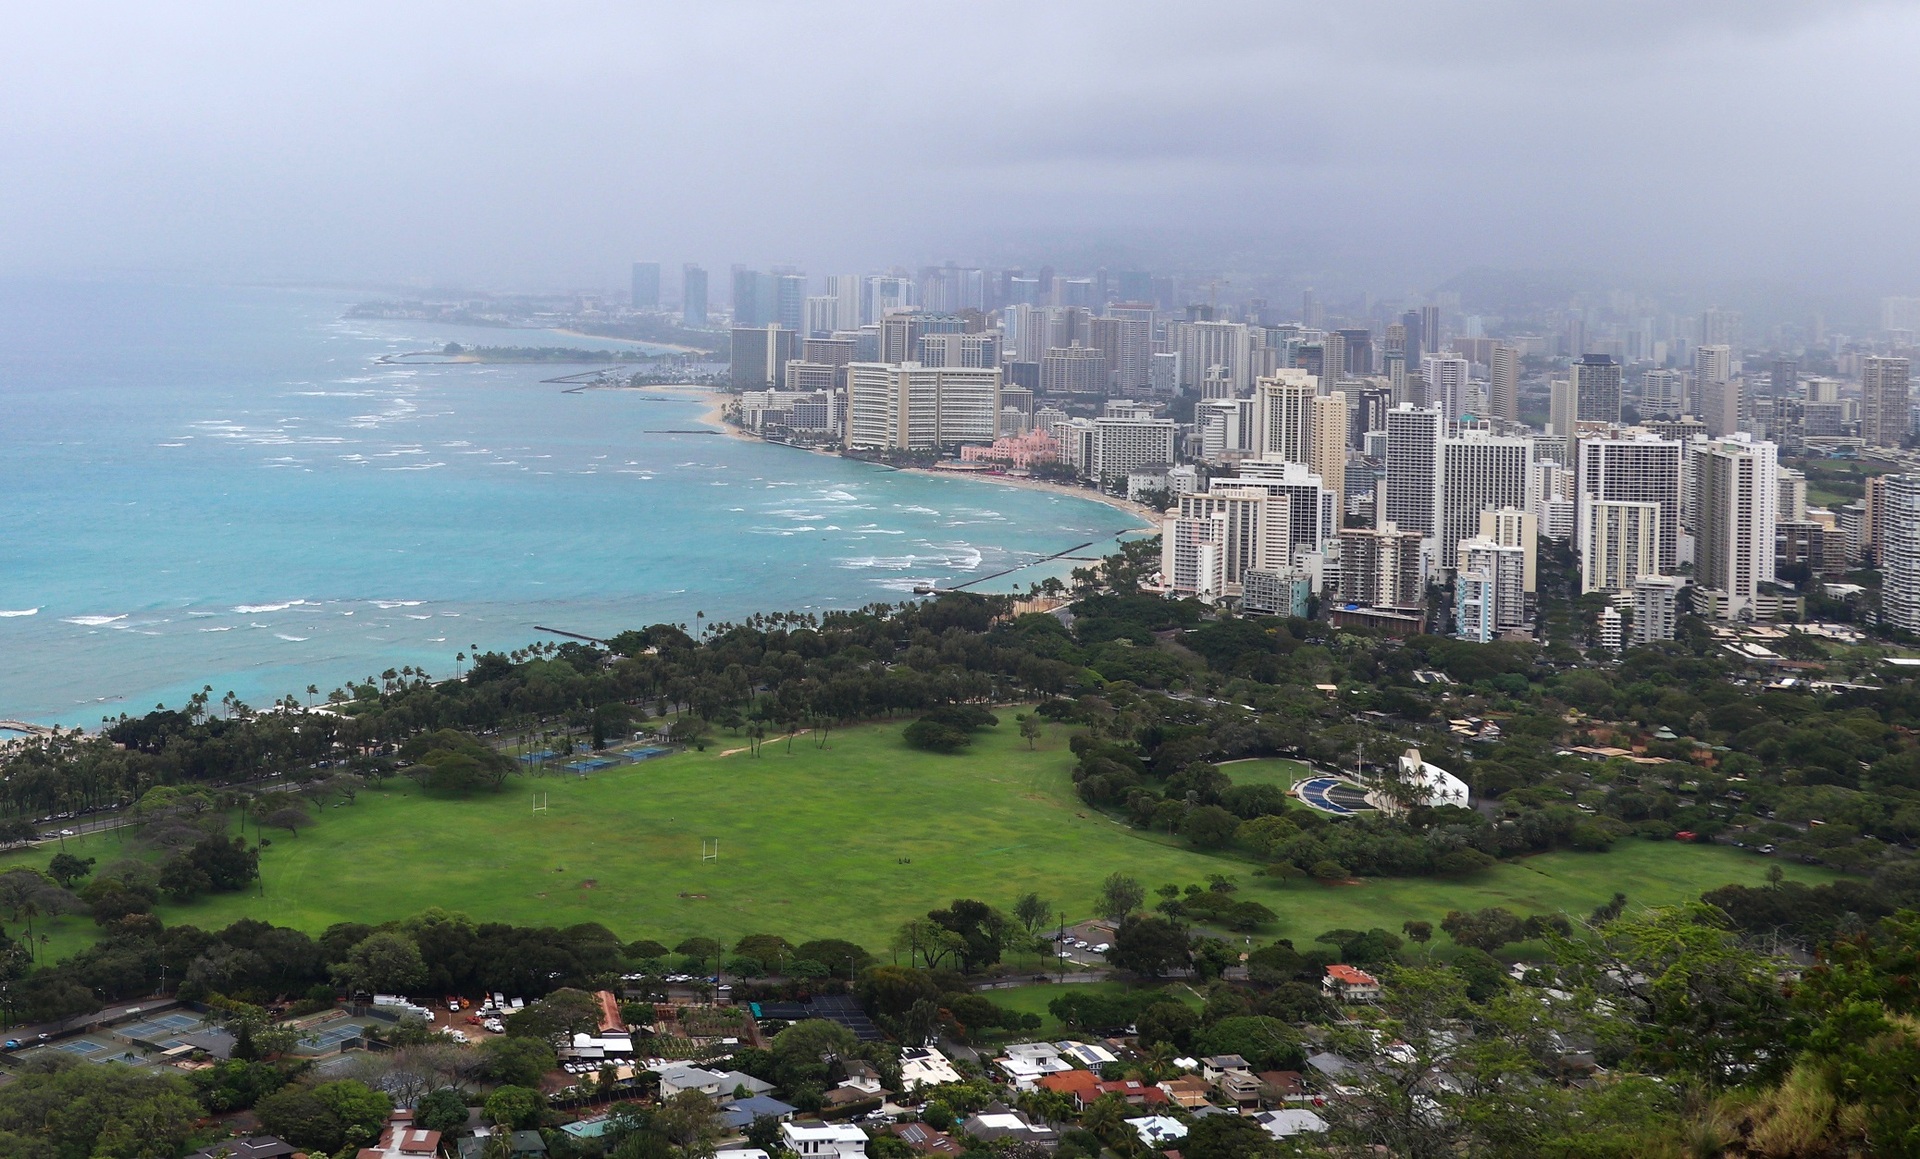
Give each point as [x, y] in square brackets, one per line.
[536, 758]
[592, 766]
[647, 753]
[331, 1037]
[88, 1047]
[164, 1026]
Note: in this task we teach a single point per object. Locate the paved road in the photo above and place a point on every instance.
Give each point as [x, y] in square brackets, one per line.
[64, 1026]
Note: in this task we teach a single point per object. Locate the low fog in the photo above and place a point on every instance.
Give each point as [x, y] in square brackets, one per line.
[497, 144]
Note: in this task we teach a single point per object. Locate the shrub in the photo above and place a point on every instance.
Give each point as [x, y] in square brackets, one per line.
[932, 736]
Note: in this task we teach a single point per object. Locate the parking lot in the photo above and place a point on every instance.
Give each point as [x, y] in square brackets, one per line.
[1085, 944]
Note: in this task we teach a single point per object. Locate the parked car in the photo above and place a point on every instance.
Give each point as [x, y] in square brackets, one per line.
[1102, 948]
[1767, 849]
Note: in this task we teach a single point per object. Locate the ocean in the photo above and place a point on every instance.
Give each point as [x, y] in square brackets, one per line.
[222, 486]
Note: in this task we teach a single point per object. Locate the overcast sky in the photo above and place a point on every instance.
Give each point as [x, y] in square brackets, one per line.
[547, 144]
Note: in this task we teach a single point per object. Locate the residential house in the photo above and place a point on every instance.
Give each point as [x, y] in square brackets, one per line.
[996, 1121]
[923, 1066]
[402, 1140]
[1330, 1066]
[1280, 1085]
[1086, 1054]
[678, 1076]
[1234, 1078]
[736, 1081]
[1292, 1121]
[1026, 1063]
[824, 1140]
[1350, 983]
[1158, 1130]
[739, 1114]
[1087, 1088]
[925, 1140]
[1188, 1091]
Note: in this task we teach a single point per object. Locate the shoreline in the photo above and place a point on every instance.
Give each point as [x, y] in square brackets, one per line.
[1148, 518]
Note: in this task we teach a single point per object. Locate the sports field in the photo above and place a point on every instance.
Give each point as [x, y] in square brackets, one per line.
[846, 841]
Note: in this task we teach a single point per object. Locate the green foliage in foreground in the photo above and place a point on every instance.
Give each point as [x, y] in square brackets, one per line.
[850, 841]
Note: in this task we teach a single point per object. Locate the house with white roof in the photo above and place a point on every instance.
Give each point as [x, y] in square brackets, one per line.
[1087, 1054]
[1026, 1063]
[1292, 1121]
[1158, 1130]
[679, 1076]
[824, 1140]
[923, 1066]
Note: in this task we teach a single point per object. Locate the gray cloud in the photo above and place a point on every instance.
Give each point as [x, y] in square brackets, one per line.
[514, 144]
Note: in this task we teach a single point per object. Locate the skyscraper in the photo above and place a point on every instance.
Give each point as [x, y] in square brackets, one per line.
[915, 407]
[1410, 498]
[1737, 497]
[1663, 392]
[1503, 382]
[1620, 541]
[789, 300]
[1209, 347]
[1634, 470]
[1885, 404]
[1899, 549]
[1283, 415]
[1382, 567]
[693, 296]
[1716, 399]
[845, 289]
[1447, 378]
[1358, 362]
[1414, 335]
[1479, 472]
[1596, 388]
[759, 355]
[1561, 408]
[646, 285]
[1327, 448]
[822, 316]
[1720, 328]
[1786, 378]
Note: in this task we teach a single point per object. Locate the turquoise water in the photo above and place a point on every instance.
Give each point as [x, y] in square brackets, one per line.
[219, 486]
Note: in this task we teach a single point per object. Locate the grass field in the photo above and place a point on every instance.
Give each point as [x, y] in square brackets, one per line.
[1266, 771]
[846, 841]
[1034, 999]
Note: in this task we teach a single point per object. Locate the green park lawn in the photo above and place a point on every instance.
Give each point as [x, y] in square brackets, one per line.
[846, 841]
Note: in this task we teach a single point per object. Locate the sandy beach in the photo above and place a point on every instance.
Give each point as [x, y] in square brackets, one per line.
[1149, 518]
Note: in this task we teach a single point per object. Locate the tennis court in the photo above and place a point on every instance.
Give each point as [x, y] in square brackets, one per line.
[331, 1037]
[163, 1027]
[88, 1047]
